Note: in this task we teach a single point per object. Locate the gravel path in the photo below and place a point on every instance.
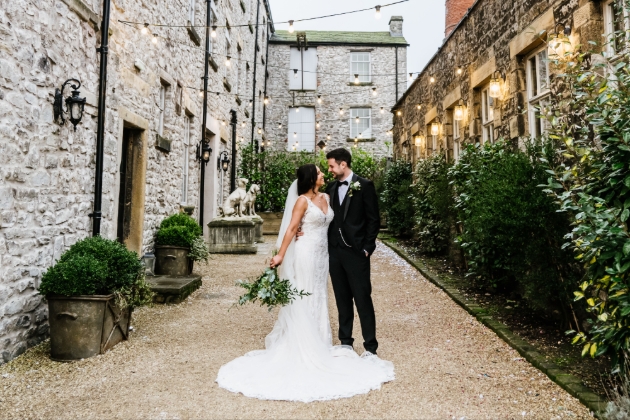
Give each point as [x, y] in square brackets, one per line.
[447, 364]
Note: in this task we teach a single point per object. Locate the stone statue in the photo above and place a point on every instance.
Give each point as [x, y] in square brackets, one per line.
[233, 205]
[249, 203]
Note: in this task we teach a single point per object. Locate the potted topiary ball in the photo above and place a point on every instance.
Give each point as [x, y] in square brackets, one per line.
[91, 292]
[178, 243]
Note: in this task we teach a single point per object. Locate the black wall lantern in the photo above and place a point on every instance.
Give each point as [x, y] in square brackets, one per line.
[223, 161]
[74, 104]
[203, 152]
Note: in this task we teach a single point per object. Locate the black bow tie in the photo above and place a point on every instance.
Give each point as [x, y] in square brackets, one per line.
[343, 182]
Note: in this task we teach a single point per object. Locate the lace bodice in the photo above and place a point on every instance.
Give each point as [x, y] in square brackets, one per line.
[315, 222]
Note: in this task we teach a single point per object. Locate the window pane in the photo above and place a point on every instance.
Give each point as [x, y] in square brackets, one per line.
[360, 64]
[533, 75]
[361, 129]
[301, 129]
[543, 74]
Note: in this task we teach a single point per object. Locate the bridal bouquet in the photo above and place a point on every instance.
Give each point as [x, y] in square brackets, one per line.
[270, 290]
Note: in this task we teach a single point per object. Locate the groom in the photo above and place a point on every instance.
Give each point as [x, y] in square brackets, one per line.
[351, 242]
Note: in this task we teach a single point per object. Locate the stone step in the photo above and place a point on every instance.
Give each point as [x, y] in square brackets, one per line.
[173, 289]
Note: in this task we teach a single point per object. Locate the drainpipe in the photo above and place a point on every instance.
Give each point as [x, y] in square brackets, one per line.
[266, 65]
[96, 214]
[396, 49]
[233, 171]
[254, 83]
[204, 118]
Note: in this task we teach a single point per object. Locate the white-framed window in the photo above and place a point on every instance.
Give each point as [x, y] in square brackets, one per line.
[228, 52]
[456, 139]
[162, 108]
[616, 26]
[363, 128]
[487, 116]
[301, 127]
[191, 12]
[187, 136]
[360, 64]
[305, 62]
[537, 90]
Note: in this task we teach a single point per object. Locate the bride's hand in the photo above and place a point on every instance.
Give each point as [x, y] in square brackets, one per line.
[276, 261]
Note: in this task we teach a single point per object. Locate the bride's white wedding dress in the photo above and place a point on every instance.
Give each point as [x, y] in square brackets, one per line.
[299, 362]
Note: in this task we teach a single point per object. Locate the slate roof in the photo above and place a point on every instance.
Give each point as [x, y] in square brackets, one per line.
[340, 38]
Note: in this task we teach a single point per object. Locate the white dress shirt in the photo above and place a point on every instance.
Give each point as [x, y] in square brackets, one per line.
[343, 189]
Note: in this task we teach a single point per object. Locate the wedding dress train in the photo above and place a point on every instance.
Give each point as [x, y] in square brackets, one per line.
[299, 362]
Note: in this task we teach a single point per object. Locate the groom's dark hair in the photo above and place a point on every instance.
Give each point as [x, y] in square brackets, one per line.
[340, 155]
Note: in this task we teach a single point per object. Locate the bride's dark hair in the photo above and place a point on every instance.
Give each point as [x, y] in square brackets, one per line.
[306, 178]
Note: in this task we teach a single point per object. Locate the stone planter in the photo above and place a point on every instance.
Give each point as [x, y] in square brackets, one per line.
[84, 326]
[232, 235]
[258, 229]
[171, 260]
[271, 222]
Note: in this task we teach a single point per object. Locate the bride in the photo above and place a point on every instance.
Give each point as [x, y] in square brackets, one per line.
[299, 362]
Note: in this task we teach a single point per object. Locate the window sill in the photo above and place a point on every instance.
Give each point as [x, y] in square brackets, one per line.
[213, 64]
[360, 84]
[367, 140]
[194, 36]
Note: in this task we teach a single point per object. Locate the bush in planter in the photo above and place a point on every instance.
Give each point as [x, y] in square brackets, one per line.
[178, 230]
[98, 266]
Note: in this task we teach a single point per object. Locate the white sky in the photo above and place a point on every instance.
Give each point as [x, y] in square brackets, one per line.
[423, 25]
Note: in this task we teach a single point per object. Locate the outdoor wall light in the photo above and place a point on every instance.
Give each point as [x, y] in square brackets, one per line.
[74, 104]
[203, 152]
[223, 161]
[495, 84]
[558, 41]
[419, 140]
[458, 112]
[435, 128]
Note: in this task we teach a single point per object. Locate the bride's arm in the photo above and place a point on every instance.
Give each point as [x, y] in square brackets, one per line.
[296, 217]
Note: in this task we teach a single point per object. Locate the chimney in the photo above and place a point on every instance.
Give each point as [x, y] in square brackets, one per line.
[395, 26]
[455, 11]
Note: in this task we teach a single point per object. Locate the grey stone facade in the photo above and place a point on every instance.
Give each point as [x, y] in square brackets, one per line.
[492, 36]
[47, 182]
[335, 84]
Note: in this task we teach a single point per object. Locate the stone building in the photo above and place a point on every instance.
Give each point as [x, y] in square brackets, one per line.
[490, 74]
[334, 89]
[153, 125]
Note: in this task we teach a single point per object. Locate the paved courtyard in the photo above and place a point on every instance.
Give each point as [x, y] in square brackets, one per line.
[447, 364]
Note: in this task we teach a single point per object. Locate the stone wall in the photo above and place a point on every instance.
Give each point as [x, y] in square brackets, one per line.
[47, 170]
[337, 90]
[495, 35]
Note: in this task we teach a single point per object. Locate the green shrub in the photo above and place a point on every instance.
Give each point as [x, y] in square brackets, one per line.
[178, 230]
[433, 204]
[512, 232]
[397, 198]
[588, 119]
[98, 266]
[199, 250]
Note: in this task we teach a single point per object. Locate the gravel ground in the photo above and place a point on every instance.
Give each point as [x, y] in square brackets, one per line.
[447, 364]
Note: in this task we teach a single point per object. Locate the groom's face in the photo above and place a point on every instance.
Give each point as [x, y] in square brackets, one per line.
[337, 169]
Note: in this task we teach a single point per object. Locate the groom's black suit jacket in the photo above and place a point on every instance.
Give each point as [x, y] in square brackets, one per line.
[357, 220]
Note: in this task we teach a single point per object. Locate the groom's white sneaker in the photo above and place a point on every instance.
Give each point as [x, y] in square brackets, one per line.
[367, 354]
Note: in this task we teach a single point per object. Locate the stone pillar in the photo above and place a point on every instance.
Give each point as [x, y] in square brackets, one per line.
[232, 235]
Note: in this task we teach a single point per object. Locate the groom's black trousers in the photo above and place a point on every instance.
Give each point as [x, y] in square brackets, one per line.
[350, 275]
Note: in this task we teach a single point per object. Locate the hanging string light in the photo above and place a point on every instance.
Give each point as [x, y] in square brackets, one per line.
[213, 34]
[250, 103]
[377, 15]
[357, 119]
[418, 106]
[279, 125]
[374, 91]
[356, 79]
[266, 100]
[259, 130]
[432, 79]
[410, 76]
[382, 110]
[340, 111]
[268, 143]
[297, 109]
[319, 99]
[294, 134]
[291, 28]
[295, 73]
[243, 124]
[227, 61]
[317, 125]
[201, 93]
[328, 137]
[154, 39]
[223, 123]
[459, 70]
[399, 113]
[145, 29]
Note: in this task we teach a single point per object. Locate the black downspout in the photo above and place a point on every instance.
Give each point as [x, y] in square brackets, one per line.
[396, 49]
[100, 125]
[265, 93]
[202, 181]
[254, 83]
[233, 171]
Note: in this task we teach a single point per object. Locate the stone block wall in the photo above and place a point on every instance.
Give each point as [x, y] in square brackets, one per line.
[337, 90]
[495, 35]
[47, 169]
